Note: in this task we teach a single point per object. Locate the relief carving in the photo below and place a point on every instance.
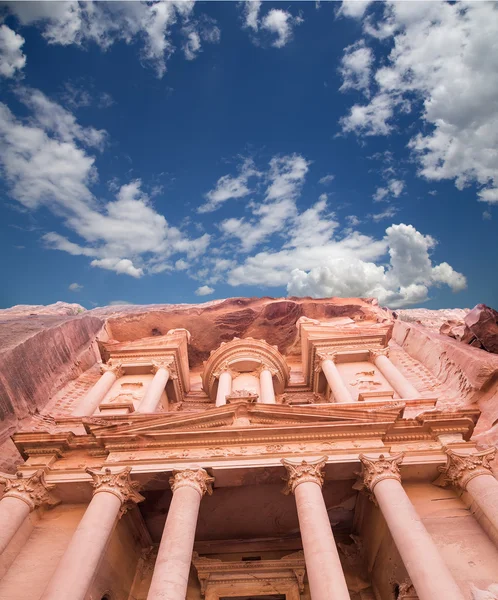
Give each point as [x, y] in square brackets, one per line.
[461, 468]
[194, 478]
[32, 490]
[377, 469]
[118, 483]
[302, 473]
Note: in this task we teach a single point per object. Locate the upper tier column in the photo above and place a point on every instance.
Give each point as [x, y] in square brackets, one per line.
[155, 389]
[325, 574]
[267, 391]
[472, 472]
[427, 570]
[336, 383]
[172, 568]
[400, 384]
[21, 496]
[224, 387]
[78, 566]
[92, 400]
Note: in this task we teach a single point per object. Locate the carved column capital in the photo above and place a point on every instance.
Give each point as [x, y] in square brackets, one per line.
[118, 483]
[461, 468]
[224, 368]
[320, 357]
[33, 490]
[114, 368]
[167, 363]
[194, 478]
[306, 471]
[376, 352]
[269, 368]
[378, 469]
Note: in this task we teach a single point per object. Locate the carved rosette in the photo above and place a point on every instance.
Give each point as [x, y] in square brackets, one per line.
[114, 368]
[305, 472]
[118, 483]
[378, 469]
[33, 490]
[461, 468]
[375, 353]
[194, 478]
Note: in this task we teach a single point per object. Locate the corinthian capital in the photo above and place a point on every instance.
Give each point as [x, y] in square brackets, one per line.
[114, 368]
[118, 483]
[375, 353]
[166, 363]
[378, 469]
[307, 471]
[33, 490]
[194, 478]
[461, 468]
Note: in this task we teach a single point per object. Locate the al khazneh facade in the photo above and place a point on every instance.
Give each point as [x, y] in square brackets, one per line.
[322, 474]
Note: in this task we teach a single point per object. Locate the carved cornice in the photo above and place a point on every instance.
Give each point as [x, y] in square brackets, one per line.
[305, 472]
[116, 368]
[461, 468]
[198, 479]
[376, 470]
[33, 490]
[118, 483]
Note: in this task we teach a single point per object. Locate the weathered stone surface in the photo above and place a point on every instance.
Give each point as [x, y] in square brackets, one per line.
[481, 325]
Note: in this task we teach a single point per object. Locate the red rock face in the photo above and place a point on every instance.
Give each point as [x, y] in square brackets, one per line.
[481, 325]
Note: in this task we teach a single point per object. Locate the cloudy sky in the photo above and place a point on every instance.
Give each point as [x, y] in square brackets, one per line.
[184, 151]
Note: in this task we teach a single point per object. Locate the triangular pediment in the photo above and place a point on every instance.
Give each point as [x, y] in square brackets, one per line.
[243, 415]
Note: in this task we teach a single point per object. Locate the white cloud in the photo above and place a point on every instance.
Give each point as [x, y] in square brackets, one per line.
[75, 287]
[44, 164]
[388, 213]
[277, 22]
[356, 66]
[204, 290]
[105, 23]
[451, 87]
[326, 179]
[354, 8]
[393, 188]
[12, 58]
[228, 187]
[251, 13]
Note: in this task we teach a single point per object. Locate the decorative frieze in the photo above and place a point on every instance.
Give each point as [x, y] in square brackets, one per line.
[118, 483]
[377, 469]
[461, 468]
[300, 473]
[33, 490]
[194, 478]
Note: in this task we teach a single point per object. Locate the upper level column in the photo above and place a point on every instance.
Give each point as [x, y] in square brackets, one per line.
[172, 568]
[400, 384]
[427, 570]
[21, 496]
[326, 362]
[325, 574]
[266, 385]
[472, 473]
[156, 387]
[90, 403]
[74, 574]
[224, 387]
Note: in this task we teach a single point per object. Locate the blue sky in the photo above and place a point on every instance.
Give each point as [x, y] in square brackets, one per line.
[182, 152]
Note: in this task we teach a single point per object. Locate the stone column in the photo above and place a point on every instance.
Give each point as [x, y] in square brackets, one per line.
[91, 401]
[325, 574]
[428, 572]
[21, 496]
[472, 473]
[267, 391]
[114, 493]
[224, 387]
[339, 389]
[155, 389]
[172, 568]
[399, 383]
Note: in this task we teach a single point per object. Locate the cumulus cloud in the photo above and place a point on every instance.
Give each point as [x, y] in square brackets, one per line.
[12, 58]
[45, 162]
[356, 66]
[228, 187]
[75, 287]
[204, 290]
[277, 22]
[393, 188]
[105, 23]
[451, 86]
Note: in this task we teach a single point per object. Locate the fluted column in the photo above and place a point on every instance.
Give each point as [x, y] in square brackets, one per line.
[224, 387]
[427, 570]
[267, 392]
[92, 400]
[172, 568]
[399, 383]
[155, 389]
[472, 473]
[114, 493]
[336, 383]
[325, 574]
[21, 496]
